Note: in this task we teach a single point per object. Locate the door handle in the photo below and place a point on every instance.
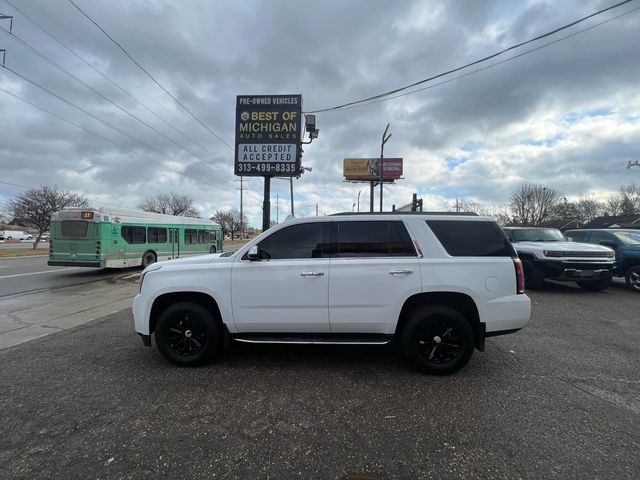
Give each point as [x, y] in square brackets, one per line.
[312, 274]
[400, 271]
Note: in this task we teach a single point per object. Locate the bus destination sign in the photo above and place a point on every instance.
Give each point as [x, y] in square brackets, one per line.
[268, 135]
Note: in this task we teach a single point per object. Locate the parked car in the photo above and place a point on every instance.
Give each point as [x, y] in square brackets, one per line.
[438, 285]
[626, 244]
[547, 254]
[15, 235]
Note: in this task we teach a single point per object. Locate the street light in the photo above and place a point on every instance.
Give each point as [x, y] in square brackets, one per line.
[385, 139]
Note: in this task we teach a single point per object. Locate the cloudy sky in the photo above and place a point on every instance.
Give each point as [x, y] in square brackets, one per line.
[566, 115]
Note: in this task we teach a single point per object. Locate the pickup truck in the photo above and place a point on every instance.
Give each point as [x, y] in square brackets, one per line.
[547, 254]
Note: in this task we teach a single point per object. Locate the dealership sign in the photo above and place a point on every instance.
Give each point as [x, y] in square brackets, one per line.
[268, 135]
[368, 169]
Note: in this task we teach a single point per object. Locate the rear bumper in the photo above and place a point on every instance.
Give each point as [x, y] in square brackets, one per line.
[69, 263]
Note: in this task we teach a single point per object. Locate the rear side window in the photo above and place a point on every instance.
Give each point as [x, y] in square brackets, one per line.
[373, 239]
[190, 236]
[462, 238]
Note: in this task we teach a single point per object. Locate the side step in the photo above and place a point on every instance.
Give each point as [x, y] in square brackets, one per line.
[314, 338]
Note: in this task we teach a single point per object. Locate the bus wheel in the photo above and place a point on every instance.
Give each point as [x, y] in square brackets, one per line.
[148, 258]
[212, 250]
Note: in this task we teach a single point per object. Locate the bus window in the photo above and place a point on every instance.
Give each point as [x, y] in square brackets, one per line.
[133, 235]
[157, 235]
[190, 236]
[212, 236]
[74, 228]
[203, 236]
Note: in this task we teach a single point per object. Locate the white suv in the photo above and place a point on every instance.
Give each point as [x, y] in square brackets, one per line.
[438, 284]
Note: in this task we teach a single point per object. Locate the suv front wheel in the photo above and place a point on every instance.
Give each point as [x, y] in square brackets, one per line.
[188, 335]
[438, 340]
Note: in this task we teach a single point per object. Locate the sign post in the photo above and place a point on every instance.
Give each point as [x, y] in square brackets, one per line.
[268, 140]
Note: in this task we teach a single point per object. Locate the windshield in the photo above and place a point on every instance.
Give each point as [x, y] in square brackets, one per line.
[628, 238]
[537, 235]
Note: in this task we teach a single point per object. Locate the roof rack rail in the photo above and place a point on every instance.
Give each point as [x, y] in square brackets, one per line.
[461, 214]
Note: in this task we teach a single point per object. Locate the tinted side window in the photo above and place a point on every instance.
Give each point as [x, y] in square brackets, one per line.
[400, 243]
[576, 235]
[363, 239]
[471, 239]
[203, 236]
[597, 237]
[134, 235]
[212, 236]
[190, 236]
[157, 235]
[305, 240]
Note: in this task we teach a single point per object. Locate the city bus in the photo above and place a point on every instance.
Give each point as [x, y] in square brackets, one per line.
[111, 238]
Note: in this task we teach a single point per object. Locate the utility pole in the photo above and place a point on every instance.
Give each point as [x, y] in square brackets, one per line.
[277, 208]
[316, 209]
[359, 192]
[385, 138]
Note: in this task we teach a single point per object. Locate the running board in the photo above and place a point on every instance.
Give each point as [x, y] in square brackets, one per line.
[314, 339]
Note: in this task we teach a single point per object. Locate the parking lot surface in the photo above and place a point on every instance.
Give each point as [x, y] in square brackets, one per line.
[560, 399]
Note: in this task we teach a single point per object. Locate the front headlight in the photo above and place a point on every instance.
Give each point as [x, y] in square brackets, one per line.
[150, 268]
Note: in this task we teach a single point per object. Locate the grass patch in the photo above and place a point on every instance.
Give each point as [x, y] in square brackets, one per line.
[22, 252]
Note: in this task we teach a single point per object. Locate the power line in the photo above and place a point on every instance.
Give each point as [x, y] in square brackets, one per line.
[484, 59]
[98, 93]
[478, 70]
[213, 179]
[151, 76]
[103, 75]
[104, 122]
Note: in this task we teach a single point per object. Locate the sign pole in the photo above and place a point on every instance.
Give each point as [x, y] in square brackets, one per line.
[385, 138]
[266, 204]
[371, 196]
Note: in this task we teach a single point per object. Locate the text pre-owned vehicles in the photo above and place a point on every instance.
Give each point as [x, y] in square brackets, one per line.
[115, 238]
[15, 235]
[547, 253]
[626, 244]
[437, 284]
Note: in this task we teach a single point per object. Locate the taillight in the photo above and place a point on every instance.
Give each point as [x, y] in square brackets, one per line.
[519, 275]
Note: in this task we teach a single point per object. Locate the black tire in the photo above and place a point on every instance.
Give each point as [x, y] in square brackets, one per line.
[597, 285]
[188, 335]
[533, 276]
[632, 277]
[148, 258]
[213, 250]
[438, 340]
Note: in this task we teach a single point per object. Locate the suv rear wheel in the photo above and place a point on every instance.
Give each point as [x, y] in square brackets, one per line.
[188, 335]
[438, 340]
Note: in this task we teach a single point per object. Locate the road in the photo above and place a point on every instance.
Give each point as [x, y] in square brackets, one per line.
[558, 400]
[29, 274]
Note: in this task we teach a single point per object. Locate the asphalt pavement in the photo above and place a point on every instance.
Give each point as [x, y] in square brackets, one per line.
[560, 399]
[19, 275]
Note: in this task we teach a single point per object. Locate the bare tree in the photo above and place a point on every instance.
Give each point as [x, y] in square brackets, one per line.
[237, 223]
[170, 204]
[626, 201]
[589, 208]
[531, 204]
[225, 220]
[38, 204]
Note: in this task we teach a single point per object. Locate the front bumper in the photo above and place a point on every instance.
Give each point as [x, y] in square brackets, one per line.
[69, 263]
[573, 271]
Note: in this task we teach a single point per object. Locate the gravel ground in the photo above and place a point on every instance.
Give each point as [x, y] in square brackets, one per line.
[560, 399]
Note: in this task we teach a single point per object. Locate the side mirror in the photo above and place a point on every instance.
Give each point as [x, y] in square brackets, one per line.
[254, 253]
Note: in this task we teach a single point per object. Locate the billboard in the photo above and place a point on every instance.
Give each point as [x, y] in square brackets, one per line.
[268, 135]
[367, 169]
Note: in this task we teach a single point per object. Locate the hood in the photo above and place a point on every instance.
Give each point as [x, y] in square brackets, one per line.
[194, 260]
[564, 246]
